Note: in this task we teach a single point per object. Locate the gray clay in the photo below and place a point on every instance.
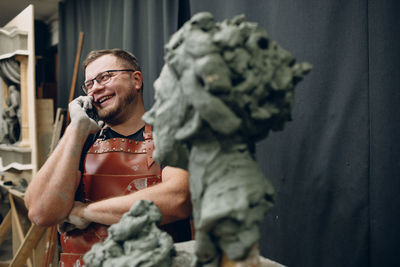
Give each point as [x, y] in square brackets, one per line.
[223, 87]
[134, 241]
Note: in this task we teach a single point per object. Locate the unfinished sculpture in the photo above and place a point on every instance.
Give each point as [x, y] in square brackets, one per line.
[11, 127]
[134, 241]
[223, 87]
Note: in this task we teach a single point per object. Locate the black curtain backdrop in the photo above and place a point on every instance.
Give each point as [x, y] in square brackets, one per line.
[335, 167]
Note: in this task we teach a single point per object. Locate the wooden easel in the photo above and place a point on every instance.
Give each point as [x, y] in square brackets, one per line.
[29, 240]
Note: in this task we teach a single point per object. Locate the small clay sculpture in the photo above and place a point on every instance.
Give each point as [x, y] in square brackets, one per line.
[223, 87]
[134, 241]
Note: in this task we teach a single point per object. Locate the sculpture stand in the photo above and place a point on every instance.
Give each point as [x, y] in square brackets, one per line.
[253, 259]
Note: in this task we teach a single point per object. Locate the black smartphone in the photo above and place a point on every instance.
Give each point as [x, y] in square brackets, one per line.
[92, 113]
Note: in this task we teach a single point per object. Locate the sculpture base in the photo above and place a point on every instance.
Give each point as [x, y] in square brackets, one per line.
[185, 251]
[15, 163]
[15, 154]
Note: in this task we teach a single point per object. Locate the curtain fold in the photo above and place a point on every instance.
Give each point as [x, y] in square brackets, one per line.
[9, 71]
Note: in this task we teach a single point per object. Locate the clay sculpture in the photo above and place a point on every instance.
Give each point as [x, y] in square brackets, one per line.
[223, 87]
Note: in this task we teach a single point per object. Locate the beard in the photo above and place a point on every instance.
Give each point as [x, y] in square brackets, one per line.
[115, 114]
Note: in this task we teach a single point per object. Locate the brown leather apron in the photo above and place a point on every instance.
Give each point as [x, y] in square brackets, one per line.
[112, 167]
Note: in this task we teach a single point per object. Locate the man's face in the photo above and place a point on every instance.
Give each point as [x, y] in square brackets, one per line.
[113, 100]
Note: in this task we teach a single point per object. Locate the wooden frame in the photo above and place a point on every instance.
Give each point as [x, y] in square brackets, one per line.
[25, 22]
[28, 240]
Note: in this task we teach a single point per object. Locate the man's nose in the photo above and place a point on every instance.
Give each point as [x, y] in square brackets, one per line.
[96, 87]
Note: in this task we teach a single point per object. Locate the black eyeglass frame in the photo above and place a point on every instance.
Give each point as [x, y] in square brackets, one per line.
[98, 76]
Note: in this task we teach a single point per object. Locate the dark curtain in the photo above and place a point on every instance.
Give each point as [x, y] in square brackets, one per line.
[335, 167]
[384, 114]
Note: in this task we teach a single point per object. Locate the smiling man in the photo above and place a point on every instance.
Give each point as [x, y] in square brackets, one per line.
[97, 172]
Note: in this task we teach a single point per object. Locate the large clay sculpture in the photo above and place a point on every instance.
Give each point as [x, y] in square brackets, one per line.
[223, 87]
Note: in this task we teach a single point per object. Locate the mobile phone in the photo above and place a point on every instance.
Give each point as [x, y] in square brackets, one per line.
[92, 113]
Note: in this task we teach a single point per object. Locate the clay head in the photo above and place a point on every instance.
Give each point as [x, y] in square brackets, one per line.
[166, 116]
[226, 78]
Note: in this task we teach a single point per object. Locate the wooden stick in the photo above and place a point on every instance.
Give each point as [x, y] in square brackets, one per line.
[58, 123]
[29, 243]
[18, 225]
[75, 74]
[51, 232]
[51, 242]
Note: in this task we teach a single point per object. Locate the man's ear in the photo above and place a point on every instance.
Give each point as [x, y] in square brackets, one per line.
[138, 79]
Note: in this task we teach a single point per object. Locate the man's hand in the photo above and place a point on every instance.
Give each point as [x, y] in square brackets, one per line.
[77, 110]
[75, 219]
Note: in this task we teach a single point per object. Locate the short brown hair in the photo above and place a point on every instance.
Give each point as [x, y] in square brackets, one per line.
[129, 60]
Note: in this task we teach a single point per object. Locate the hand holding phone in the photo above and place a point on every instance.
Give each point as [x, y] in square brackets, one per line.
[81, 109]
[92, 113]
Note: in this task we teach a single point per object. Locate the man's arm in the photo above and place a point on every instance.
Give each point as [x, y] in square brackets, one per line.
[172, 197]
[50, 195]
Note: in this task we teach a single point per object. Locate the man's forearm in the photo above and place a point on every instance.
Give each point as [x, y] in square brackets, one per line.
[172, 197]
[50, 195]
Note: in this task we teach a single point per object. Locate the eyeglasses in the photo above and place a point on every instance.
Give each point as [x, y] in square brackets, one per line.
[101, 78]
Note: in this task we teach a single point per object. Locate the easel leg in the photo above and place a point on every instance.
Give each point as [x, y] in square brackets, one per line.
[28, 244]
